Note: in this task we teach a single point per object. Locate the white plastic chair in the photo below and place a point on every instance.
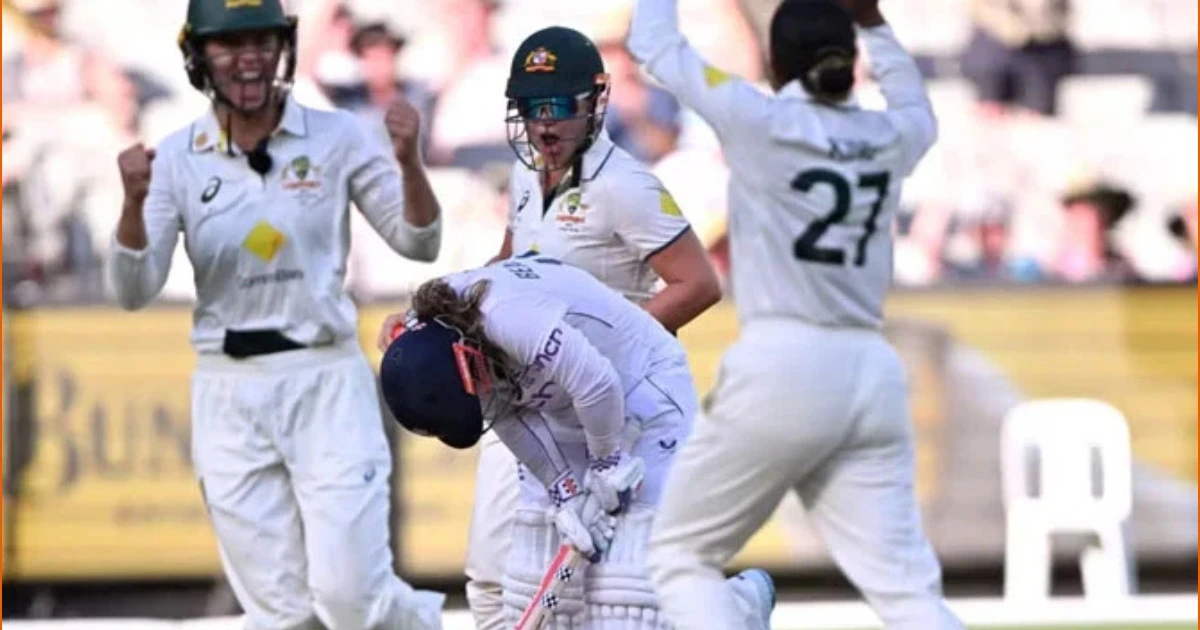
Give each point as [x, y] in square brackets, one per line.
[1065, 433]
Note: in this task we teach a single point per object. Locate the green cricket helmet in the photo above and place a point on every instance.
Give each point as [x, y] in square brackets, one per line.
[556, 74]
[214, 18]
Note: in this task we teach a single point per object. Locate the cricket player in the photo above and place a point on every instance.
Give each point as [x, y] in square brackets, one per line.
[811, 398]
[576, 196]
[288, 440]
[590, 393]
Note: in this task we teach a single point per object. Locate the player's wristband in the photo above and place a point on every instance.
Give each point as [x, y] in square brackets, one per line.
[564, 489]
[601, 464]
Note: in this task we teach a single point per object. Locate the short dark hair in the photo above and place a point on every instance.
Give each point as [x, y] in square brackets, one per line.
[813, 41]
[374, 33]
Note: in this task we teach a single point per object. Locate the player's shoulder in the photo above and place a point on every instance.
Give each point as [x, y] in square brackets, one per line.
[193, 135]
[520, 176]
[616, 173]
[328, 123]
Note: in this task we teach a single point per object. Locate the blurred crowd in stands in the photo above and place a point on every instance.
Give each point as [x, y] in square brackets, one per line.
[1067, 151]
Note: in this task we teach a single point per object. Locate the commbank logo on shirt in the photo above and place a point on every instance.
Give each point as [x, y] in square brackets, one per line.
[264, 241]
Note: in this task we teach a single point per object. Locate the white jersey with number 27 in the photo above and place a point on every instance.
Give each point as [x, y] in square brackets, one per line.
[813, 187]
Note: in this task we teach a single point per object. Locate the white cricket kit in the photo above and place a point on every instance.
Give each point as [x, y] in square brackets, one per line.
[610, 226]
[289, 447]
[577, 351]
[811, 398]
[593, 374]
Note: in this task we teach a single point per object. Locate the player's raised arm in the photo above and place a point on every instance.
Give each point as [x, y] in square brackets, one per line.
[899, 80]
[145, 236]
[656, 42]
[399, 205]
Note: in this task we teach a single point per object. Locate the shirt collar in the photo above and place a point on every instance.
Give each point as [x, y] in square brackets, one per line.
[597, 155]
[208, 133]
[794, 90]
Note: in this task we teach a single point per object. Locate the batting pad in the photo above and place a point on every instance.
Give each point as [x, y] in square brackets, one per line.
[613, 594]
[534, 544]
[619, 593]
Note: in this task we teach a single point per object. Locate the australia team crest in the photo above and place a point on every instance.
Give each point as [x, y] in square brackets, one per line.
[302, 178]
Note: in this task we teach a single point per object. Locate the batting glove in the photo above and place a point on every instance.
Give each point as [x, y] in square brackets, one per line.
[615, 481]
[581, 520]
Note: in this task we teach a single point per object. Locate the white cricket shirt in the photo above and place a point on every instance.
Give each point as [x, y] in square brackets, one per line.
[574, 345]
[268, 251]
[813, 188]
[610, 225]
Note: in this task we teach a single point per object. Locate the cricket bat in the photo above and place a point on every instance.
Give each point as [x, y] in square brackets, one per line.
[567, 564]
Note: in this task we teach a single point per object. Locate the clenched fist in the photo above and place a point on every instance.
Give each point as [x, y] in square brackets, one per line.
[134, 164]
[404, 127]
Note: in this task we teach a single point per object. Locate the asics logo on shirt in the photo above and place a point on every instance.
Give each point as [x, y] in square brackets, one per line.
[210, 191]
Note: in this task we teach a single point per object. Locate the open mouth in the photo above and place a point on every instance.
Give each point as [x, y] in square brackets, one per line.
[250, 86]
[552, 144]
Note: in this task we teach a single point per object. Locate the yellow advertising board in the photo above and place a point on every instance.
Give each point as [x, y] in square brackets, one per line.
[107, 489]
[101, 438]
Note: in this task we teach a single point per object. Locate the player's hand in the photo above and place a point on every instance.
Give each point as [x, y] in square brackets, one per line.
[404, 128]
[582, 522]
[392, 327]
[615, 485]
[134, 164]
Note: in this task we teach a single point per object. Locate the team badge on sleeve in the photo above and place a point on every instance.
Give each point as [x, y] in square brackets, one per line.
[667, 204]
[714, 77]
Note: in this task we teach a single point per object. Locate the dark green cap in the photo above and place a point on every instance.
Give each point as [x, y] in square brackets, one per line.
[213, 17]
[555, 61]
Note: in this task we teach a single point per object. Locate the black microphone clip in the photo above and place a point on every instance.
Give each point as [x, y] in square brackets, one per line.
[259, 159]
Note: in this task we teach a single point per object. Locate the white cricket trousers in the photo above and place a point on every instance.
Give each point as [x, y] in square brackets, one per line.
[294, 466]
[820, 411]
[497, 495]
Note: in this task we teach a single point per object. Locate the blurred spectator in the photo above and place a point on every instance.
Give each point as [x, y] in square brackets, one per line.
[376, 47]
[324, 59]
[1087, 251]
[48, 243]
[468, 126]
[1181, 225]
[920, 240]
[978, 244]
[642, 119]
[1019, 52]
[47, 72]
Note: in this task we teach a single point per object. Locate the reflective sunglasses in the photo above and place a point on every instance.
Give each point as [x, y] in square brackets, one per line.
[548, 108]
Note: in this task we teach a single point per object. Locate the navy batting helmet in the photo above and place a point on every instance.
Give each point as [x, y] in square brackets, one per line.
[432, 380]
